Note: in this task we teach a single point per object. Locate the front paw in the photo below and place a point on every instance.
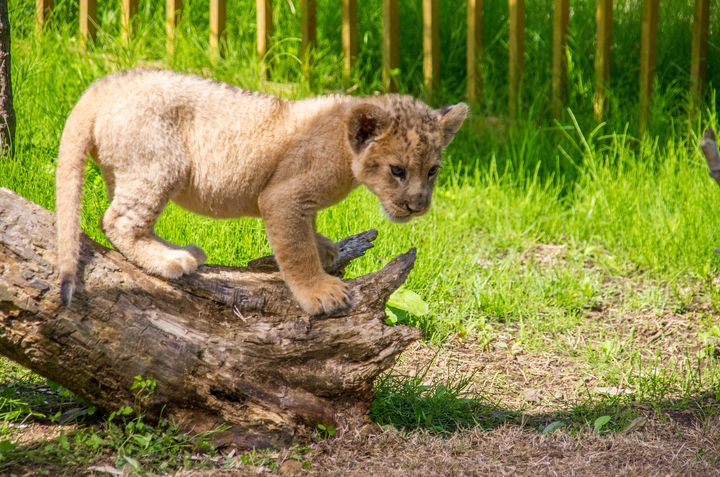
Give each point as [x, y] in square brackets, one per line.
[173, 264]
[324, 295]
[328, 251]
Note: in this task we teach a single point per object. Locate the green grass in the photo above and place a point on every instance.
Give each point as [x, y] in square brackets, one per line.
[410, 403]
[544, 237]
[125, 441]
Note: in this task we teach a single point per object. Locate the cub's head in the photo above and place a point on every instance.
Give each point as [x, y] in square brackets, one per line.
[397, 143]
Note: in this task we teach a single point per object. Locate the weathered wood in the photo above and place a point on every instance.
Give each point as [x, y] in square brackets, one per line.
[43, 10]
[349, 37]
[516, 55]
[648, 53]
[7, 109]
[218, 12]
[474, 50]
[264, 30]
[699, 49]
[173, 9]
[603, 21]
[128, 10]
[225, 345]
[88, 21]
[431, 46]
[391, 43]
[561, 16]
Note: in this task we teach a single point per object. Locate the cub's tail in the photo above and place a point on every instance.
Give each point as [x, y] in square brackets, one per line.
[75, 144]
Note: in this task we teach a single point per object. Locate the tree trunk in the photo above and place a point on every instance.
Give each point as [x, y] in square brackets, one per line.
[224, 345]
[7, 112]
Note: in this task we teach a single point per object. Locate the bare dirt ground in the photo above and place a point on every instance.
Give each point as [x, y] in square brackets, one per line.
[654, 444]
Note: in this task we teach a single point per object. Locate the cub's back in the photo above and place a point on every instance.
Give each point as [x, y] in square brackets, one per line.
[146, 95]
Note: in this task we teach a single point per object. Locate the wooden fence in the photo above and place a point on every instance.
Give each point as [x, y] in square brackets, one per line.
[431, 43]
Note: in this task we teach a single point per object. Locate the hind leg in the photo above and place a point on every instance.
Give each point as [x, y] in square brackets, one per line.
[128, 223]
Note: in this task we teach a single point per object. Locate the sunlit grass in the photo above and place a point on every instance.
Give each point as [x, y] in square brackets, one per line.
[565, 236]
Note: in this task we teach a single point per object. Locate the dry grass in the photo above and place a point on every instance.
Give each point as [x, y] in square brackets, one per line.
[667, 449]
[539, 387]
[504, 372]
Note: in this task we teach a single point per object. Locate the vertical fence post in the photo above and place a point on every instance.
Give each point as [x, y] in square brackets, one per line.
[516, 55]
[43, 9]
[474, 50]
[647, 58]
[264, 30]
[218, 12]
[128, 10]
[431, 46]
[391, 43]
[88, 21]
[698, 56]
[308, 28]
[603, 20]
[349, 37]
[561, 16]
[172, 13]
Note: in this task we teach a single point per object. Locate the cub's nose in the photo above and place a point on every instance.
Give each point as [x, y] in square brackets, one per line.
[417, 204]
[410, 208]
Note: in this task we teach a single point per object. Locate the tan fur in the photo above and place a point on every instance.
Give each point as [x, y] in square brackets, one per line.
[221, 151]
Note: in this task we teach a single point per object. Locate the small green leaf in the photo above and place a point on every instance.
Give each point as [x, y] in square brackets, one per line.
[95, 441]
[63, 442]
[552, 427]
[327, 430]
[131, 462]
[6, 445]
[409, 301]
[392, 318]
[600, 422]
[142, 440]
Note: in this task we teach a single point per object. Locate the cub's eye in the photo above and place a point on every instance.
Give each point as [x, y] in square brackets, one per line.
[398, 172]
[433, 171]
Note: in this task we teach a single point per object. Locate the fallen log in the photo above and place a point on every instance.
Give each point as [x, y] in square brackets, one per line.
[226, 346]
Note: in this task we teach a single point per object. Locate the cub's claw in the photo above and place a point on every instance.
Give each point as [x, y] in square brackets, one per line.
[326, 295]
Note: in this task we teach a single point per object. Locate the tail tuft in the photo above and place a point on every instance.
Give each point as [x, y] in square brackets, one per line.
[75, 144]
[67, 289]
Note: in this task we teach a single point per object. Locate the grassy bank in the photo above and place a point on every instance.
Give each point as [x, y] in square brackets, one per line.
[565, 258]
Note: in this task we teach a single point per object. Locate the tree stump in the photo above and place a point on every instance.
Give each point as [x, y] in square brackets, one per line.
[226, 346]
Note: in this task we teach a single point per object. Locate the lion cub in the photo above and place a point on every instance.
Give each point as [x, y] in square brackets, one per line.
[224, 152]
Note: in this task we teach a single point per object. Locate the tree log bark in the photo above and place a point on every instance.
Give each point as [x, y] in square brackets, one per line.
[226, 346]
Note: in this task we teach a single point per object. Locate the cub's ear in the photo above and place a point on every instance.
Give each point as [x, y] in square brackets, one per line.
[365, 123]
[451, 119]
